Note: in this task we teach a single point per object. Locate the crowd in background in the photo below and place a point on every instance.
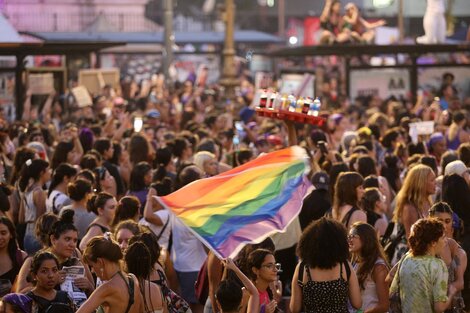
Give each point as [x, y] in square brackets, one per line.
[388, 218]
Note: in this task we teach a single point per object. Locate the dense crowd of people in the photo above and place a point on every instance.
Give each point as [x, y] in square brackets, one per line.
[81, 230]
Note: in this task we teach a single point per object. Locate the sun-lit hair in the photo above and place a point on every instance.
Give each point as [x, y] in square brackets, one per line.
[414, 191]
[201, 157]
[345, 191]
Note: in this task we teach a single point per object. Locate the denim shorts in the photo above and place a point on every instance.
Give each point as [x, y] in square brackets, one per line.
[30, 242]
[187, 281]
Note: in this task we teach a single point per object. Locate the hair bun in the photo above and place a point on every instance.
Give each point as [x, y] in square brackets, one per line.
[67, 216]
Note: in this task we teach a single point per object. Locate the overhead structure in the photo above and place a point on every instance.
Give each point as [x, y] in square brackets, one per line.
[413, 51]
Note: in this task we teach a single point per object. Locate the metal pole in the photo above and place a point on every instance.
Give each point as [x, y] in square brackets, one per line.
[282, 18]
[401, 25]
[169, 40]
[229, 80]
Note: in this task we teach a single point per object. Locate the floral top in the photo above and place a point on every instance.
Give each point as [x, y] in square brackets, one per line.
[423, 281]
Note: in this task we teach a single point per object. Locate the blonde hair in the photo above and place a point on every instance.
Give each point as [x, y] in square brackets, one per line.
[413, 191]
[201, 157]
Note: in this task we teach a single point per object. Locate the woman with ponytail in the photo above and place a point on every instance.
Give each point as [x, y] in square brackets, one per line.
[57, 194]
[104, 206]
[34, 175]
[138, 262]
[79, 191]
[165, 166]
[119, 293]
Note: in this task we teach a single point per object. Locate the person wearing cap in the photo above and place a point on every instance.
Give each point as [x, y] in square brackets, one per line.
[318, 202]
[152, 117]
[16, 303]
[459, 168]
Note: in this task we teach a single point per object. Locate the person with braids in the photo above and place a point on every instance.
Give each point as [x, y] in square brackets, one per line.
[11, 257]
[138, 262]
[369, 262]
[157, 274]
[34, 175]
[119, 293]
[57, 194]
[62, 243]
[104, 207]
[422, 276]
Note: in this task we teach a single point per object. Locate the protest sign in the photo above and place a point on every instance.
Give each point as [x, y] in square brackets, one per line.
[95, 80]
[41, 84]
[82, 96]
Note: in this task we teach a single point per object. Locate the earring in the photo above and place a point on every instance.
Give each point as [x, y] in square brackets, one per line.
[102, 271]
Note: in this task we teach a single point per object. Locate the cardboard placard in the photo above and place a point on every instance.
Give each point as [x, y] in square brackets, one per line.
[95, 80]
[82, 96]
[41, 84]
[420, 128]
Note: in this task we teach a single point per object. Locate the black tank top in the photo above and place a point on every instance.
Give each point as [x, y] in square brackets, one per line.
[326, 296]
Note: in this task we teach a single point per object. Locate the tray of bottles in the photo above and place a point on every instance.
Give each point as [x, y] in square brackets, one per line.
[290, 108]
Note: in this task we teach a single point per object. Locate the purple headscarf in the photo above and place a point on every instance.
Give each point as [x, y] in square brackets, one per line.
[20, 300]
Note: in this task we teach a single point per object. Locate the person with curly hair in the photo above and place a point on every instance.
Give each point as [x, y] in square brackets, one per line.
[422, 276]
[324, 281]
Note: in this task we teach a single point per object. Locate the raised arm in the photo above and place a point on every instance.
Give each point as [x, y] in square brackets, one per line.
[23, 286]
[214, 274]
[148, 209]
[46, 110]
[326, 11]
[27, 106]
[253, 303]
[368, 25]
[296, 296]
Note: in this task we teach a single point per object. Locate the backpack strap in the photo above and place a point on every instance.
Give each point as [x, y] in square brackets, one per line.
[54, 209]
[300, 279]
[163, 228]
[348, 216]
[348, 270]
[130, 289]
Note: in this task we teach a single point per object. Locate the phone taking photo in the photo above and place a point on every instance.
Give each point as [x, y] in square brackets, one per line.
[323, 147]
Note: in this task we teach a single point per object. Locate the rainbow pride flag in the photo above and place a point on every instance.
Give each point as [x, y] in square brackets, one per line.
[245, 204]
